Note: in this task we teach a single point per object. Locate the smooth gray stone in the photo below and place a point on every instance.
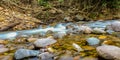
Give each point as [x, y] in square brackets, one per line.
[93, 41]
[116, 26]
[22, 53]
[46, 56]
[44, 42]
[109, 52]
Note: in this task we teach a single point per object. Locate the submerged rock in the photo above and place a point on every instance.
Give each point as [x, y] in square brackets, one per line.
[22, 53]
[44, 42]
[46, 56]
[93, 41]
[59, 35]
[109, 52]
[110, 31]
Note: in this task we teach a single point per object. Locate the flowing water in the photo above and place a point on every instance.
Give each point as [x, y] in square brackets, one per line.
[61, 27]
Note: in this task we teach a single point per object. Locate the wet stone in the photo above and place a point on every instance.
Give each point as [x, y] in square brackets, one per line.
[116, 26]
[109, 52]
[22, 53]
[3, 50]
[44, 42]
[93, 41]
[46, 56]
[59, 35]
[98, 30]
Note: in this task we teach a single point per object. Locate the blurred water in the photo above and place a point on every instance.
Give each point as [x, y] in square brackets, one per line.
[61, 27]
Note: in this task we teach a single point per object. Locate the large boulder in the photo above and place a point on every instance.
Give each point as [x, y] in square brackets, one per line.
[109, 52]
[115, 26]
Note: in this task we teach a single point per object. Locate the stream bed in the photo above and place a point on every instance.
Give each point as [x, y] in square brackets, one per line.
[64, 41]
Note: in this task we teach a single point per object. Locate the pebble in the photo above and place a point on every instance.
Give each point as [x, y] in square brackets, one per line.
[46, 56]
[77, 47]
[44, 42]
[22, 53]
[109, 52]
[93, 41]
[3, 50]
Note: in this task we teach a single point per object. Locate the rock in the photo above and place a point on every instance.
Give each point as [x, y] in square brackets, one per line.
[78, 18]
[44, 42]
[59, 35]
[67, 19]
[1, 46]
[50, 49]
[52, 11]
[6, 57]
[2, 41]
[93, 41]
[109, 52]
[66, 58]
[32, 39]
[85, 29]
[46, 56]
[22, 53]
[98, 30]
[110, 31]
[3, 50]
[31, 47]
[77, 47]
[116, 26]
[89, 58]
[1, 8]
[76, 58]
